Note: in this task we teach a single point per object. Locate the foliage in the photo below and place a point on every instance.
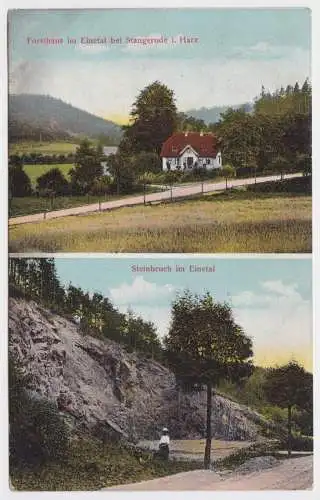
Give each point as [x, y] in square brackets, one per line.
[290, 386]
[92, 465]
[228, 171]
[120, 168]
[205, 345]
[35, 171]
[37, 279]
[146, 163]
[38, 433]
[54, 181]
[101, 186]
[87, 167]
[279, 126]
[298, 443]
[240, 456]
[153, 119]
[19, 182]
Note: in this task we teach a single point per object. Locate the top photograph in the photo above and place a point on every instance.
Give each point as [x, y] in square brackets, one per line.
[160, 130]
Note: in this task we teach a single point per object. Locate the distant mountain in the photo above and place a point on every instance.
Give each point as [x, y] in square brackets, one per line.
[31, 115]
[212, 115]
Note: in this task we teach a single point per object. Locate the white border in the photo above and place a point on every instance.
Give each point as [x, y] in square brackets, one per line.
[103, 4]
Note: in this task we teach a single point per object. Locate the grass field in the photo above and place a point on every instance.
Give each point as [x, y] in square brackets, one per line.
[239, 223]
[35, 171]
[91, 465]
[45, 148]
[32, 205]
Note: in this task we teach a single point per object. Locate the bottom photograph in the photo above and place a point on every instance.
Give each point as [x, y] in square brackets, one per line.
[160, 373]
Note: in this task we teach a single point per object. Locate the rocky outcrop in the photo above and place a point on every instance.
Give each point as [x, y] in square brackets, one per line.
[100, 387]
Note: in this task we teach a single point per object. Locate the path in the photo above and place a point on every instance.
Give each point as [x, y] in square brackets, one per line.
[290, 474]
[177, 192]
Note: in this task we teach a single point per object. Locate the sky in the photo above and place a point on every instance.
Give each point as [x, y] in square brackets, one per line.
[236, 52]
[271, 298]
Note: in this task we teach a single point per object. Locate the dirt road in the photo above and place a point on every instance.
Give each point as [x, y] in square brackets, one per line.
[290, 474]
[177, 192]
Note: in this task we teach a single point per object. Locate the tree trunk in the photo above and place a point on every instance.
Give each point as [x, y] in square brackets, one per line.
[289, 431]
[207, 453]
[226, 182]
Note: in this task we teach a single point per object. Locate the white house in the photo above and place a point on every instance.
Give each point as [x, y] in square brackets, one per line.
[187, 150]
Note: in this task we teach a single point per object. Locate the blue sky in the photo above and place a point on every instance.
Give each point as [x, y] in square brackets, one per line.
[237, 51]
[271, 298]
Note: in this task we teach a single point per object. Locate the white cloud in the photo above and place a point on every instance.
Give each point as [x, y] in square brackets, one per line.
[140, 291]
[272, 292]
[279, 321]
[110, 86]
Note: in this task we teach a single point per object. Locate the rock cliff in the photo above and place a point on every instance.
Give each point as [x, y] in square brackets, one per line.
[100, 387]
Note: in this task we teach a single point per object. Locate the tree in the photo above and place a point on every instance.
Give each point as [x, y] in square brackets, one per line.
[87, 168]
[289, 386]
[205, 345]
[280, 165]
[146, 163]
[228, 171]
[120, 168]
[19, 181]
[53, 181]
[153, 119]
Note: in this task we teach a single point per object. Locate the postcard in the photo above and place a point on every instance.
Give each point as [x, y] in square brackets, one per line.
[160, 130]
[160, 374]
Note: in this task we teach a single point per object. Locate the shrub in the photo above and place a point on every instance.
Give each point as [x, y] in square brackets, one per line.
[244, 454]
[38, 434]
[53, 181]
[19, 182]
[298, 443]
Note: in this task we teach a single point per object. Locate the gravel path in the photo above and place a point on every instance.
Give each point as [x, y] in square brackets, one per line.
[290, 474]
[178, 192]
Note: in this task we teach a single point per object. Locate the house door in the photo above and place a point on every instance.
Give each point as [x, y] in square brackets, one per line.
[189, 161]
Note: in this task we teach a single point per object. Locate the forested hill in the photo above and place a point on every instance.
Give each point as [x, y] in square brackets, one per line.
[213, 115]
[34, 114]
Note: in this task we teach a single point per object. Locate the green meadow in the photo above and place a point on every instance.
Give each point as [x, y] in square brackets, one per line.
[35, 171]
[45, 148]
[233, 222]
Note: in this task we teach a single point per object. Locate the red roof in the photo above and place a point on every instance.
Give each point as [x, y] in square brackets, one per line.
[204, 145]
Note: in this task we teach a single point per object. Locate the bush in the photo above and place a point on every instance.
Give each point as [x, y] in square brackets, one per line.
[54, 181]
[38, 434]
[244, 454]
[19, 182]
[298, 443]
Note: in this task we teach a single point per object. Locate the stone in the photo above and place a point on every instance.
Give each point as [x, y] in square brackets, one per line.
[105, 390]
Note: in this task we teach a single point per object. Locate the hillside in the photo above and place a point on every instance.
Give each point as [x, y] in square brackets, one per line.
[102, 388]
[32, 115]
[212, 115]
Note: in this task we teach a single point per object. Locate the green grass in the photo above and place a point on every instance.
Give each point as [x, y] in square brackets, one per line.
[35, 171]
[32, 205]
[243, 454]
[239, 222]
[45, 148]
[92, 465]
